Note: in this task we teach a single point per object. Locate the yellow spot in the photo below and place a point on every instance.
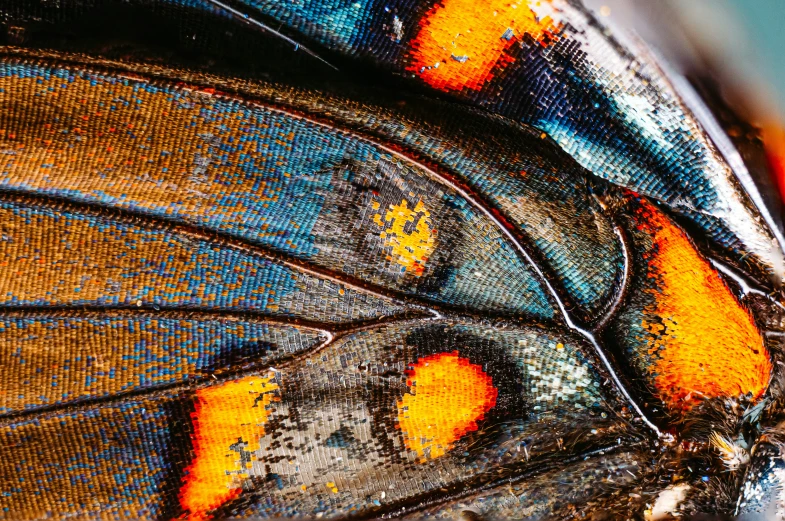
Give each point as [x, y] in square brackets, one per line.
[332, 487]
[448, 396]
[461, 41]
[560, 346]
[409, 249]
[226, 416]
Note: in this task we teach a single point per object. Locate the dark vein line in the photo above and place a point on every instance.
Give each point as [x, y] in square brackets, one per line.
[479, 203]
[331, 331]
[264, 27]
[331, 334]
[198, 314]
[340, 334]
[623, 286]
[165, 76]
[223, 239]
[509, 233]
[746, 287]
[275, 364]
[183, 313]
[194, 232]
[497, 219]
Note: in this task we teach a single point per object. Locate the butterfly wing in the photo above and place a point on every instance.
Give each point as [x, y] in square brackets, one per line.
[248, 297]
[278, 300]
[605, 98]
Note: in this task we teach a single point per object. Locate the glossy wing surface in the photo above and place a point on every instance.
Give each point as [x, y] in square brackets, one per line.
[262, 177]
[550, 64]
[165, 248]
[230, 296]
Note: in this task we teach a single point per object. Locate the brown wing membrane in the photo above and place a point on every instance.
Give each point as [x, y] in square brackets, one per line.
[244, 280]
[260, 176]
[358, 311]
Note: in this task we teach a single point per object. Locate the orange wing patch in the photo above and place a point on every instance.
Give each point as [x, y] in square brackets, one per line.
[448, 396]
[410, 249]
[228, 424]
[706, 344]
[461, 41]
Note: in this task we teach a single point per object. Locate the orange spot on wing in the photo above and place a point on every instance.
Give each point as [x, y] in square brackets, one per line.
[225, 414]
[705, 344]
[448, 396]
[461, 41]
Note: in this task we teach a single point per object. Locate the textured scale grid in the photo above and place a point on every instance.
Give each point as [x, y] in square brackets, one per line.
[226, 304]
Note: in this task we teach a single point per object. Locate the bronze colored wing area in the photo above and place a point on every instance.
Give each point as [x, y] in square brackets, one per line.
[241, 286]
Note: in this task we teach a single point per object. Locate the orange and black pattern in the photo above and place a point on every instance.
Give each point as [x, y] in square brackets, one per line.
[235, 283]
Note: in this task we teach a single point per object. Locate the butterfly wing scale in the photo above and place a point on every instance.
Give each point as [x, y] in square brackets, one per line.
[248, 303]
[176, 257]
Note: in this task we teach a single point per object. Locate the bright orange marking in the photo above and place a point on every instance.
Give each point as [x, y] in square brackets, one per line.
[461, 41]
[707, 344]
[448, 396]
[224, 414]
